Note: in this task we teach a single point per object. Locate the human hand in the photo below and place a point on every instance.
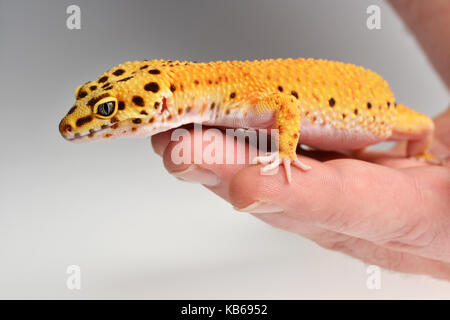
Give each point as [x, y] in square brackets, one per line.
[379, 207]
[386, 210]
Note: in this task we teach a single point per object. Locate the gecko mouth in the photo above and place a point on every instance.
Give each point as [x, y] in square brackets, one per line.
[105, 131]
[91, 133]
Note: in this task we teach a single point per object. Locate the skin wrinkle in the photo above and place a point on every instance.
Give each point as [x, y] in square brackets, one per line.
[335, 219]
[375, 255]
[405, 233]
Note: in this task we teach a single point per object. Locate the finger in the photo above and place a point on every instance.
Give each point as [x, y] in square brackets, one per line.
[358, 248]
[213, 157]
[390, 159]
[385, 206]
[160, 141]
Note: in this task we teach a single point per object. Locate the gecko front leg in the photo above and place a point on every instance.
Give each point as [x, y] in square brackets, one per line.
[287, 122]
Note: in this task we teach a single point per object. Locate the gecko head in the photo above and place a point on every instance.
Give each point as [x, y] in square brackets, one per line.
[127, 101]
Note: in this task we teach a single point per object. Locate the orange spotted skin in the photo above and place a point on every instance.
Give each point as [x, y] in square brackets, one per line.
[324, 104]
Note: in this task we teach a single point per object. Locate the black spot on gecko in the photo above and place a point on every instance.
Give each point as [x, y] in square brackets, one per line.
[125, 79]
[294, 93]
[355, 112]
[172, 87]
[332, 102]
[144, 112]
[103, 79]
[196, 82]
[144, 67]
[137, 100]
[213, 105]
[114, 120]
[118, 72]
[280, 88]
[94, 100]
[81, 94]
[152, 86]
[72, 110]
[121, 105]
[93, 88]
[233, 95]
[108, 87]
[83, 121]
[137, 121]
[156, 105]
[154, 71]
[369, 105]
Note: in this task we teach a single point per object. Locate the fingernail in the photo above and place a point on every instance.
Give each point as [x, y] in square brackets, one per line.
[261, 207]
[196, 174]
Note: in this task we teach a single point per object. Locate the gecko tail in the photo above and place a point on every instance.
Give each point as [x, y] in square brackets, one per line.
[414, 127]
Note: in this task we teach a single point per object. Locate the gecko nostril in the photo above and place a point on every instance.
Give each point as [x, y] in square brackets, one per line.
[64, 127]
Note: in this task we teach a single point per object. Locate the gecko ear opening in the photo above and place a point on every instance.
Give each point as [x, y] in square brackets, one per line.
[106, 108]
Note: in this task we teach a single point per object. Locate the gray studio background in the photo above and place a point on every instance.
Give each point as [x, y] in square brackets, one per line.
[112, 209]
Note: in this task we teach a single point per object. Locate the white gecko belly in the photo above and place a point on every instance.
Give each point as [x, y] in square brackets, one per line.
[321, 136]
[328, 137]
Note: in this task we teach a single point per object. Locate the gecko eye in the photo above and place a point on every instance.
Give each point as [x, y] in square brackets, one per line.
[106, 108]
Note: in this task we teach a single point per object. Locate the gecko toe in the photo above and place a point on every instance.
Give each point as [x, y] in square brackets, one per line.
[301, 165]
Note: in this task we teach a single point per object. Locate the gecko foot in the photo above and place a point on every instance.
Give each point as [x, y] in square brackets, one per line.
[429, 158]
[273, 161]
